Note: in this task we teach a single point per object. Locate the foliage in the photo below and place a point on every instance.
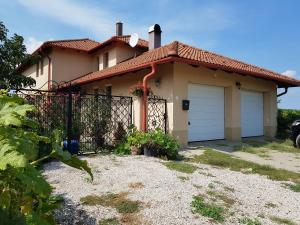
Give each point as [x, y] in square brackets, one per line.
[249, 221]
[208, 210]
[157, 142]
[118, 201]
[294, 187]
[110, 221]
[285, 118]
[181, 167]
[12, 54]
[25, 196]
[279, 220]
[227, 161]
[138, 90]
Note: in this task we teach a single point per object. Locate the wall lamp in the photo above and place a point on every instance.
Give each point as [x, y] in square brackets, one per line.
[238, 85]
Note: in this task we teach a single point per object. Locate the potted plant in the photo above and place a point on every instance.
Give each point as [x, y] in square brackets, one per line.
[138, 90]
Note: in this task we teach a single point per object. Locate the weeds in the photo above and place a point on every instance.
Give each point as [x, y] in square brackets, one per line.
[249, 221]
[227, 161]
[117, 201]
[279, 220]
[181, 167]
[110, 221]
[208, 210]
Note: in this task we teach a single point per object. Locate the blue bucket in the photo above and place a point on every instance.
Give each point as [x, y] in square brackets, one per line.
[74, 147]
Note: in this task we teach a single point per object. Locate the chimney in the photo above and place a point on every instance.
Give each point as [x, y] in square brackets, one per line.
[154, 37]
[119, 29]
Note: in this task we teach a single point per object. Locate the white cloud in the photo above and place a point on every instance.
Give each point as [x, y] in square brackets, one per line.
[290, 73]
[32, 44]
[87, 17]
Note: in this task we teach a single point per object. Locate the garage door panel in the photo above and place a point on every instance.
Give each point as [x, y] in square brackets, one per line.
[206, 114]
[252, 113]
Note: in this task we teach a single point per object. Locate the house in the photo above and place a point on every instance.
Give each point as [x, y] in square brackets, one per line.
[209, 96]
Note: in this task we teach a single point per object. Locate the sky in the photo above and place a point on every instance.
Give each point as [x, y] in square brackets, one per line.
[264, 33]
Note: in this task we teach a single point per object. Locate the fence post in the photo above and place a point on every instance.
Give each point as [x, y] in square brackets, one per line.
[69, 120]
[165, 116]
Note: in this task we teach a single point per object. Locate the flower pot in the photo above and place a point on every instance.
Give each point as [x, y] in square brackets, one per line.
[134, 150]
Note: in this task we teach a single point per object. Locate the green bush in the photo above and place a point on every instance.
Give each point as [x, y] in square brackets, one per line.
[157, 143]
[285, 118]
[25, 196]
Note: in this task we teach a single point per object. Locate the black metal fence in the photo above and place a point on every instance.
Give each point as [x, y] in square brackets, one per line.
[157, 113]
[97, 122]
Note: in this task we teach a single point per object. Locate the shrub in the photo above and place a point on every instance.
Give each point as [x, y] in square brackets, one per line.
[285, 118]
[25, 196]
[157, 143]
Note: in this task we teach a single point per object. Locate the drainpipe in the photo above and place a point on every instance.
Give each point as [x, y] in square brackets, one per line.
[283, 93]
[145, 97]
[49, 72]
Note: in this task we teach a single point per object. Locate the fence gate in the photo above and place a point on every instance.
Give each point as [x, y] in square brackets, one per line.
[157, 113]
[97, 122]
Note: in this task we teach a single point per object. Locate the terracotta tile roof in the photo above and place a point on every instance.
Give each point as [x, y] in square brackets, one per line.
[77, 44]
[124, 39]
[179, 52]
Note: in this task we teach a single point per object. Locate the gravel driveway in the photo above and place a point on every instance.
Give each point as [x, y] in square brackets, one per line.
[166, 195]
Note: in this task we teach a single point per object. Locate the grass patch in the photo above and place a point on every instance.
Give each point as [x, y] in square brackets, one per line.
[222, 145]
[279, 220]
[117, 201]
[181, 167]
[294, 187]
[221, 196]
[270, 205]
[230, 189]
[224, 160]
[249, 221]
[183, 178]
[110, 221]
[208, 210]
[137, 185]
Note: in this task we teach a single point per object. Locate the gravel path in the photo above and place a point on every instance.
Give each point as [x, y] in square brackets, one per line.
[166, 197]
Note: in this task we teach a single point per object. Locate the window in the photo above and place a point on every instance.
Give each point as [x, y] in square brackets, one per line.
[105, 60]
[37, 69]
[98, 62]
[42, 66]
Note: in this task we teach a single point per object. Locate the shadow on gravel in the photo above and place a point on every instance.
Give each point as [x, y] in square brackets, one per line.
[71, 213]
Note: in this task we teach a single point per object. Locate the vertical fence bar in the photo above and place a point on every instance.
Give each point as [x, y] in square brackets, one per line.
[165, 115]
[69, 121]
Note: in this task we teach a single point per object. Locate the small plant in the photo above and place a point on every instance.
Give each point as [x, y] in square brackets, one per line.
[208, 210]
[156, 142]
[110, 221]
[294, 187]
[181, 167]
[249, 221]
[118, 201]
[280, 220]
[137, 185]
[138, 90]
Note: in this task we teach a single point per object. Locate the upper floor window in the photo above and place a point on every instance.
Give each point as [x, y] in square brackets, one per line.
[105, 60]
[42, 66]
[37, 69]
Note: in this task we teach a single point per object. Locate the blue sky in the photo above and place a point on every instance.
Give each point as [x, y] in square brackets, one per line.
[265, 33]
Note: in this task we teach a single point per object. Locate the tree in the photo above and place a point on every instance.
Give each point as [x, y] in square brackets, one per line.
[12, 54]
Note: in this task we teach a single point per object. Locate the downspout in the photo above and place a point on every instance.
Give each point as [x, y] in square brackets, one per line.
[49, 72]
[284, 92]
[145, 96]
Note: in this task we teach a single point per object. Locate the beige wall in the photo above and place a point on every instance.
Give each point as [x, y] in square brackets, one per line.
[41, 79]
[69, 64]
[185, 74]
[174, 80]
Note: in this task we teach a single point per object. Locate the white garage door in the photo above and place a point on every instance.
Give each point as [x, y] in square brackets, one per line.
[252, 113]
[206, 113]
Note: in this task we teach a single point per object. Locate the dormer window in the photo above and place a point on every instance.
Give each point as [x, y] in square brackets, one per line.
[105, 60]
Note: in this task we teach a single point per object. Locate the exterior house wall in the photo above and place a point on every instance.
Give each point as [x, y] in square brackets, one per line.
[185, 75]
[173, 86]
[41, 79]
[69, 64]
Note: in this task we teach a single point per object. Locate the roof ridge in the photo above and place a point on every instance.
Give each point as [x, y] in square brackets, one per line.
[68, 40]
